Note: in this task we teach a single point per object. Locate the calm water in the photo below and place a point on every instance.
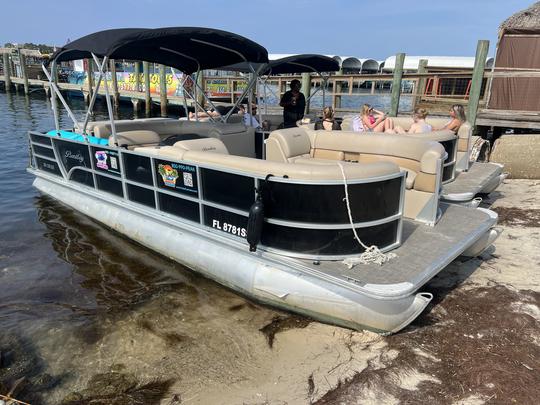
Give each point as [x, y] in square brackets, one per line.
[77, 299]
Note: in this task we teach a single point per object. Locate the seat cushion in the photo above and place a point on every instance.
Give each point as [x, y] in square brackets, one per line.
[212, 145]
[131, 138]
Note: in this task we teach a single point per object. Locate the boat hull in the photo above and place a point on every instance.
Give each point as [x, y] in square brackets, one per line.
[263, 276]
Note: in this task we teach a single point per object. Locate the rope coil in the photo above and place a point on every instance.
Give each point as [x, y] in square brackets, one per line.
[371, 254]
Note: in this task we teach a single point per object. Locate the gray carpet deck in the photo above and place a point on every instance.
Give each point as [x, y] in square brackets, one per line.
[424, 252]
[473, 180]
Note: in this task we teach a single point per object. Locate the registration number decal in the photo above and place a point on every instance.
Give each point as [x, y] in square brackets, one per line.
[229, 228]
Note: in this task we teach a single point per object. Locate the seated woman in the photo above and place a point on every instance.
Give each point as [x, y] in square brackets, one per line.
[419, 126]
[204, 114]
[457, 112]
[328, 121]
[372, 120]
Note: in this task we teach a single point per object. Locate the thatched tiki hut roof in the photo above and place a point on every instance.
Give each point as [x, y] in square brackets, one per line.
[528, 18]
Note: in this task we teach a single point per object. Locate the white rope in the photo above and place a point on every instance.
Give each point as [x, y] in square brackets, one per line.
[371, 254]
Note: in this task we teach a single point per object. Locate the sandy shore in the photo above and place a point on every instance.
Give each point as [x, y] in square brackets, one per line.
[478, 342]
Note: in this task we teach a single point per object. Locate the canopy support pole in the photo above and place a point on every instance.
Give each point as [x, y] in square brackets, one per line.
[205, 96]
[56, 90]
[94, 97]
[192, 96]
[108, 99]
[195, 98]
[250, 85]
[53, 98]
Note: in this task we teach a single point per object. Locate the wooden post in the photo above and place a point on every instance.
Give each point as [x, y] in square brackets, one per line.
[200, 82]
[396, 85]
[421, 82]
[476, 83]
[137, 76]
[147, 97]
[163, 90]
[7, 73]
[337, 98]
[90, 77]
[306, 87]
[114, 81]
[435, 86]
[22, 59]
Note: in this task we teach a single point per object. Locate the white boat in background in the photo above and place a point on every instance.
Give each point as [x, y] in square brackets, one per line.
[288, 230]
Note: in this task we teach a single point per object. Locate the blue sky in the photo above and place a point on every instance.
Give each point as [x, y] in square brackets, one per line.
[374, 29]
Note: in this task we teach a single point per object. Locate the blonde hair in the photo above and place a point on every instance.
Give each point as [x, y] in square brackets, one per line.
[328, 113]
[365, 110]
[420, 113]
[460, 112]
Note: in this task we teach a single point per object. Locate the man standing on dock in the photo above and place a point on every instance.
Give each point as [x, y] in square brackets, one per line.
[294, 104]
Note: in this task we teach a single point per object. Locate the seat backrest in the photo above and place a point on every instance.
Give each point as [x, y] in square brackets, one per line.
[423, 156]
[131, 139]
[284, 145]
[212, 145]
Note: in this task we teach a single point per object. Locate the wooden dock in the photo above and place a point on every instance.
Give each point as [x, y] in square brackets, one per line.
[436, 91]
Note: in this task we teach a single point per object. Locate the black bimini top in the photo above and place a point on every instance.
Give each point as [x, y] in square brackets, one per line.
[185, 48]
[291, 64]
[302, 64]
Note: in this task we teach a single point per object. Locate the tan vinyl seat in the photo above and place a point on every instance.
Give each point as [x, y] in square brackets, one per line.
[212, 145]
[161, 151]
[420, 158]
[288, 145]
[131, 139]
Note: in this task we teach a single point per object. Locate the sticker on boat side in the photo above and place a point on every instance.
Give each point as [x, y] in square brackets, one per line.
[179, 177]
[229, 228]
[106, 160]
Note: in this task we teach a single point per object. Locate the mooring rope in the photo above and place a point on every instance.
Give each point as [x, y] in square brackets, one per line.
[371, 254]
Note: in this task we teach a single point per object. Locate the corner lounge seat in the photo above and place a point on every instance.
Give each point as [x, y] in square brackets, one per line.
[420, 158]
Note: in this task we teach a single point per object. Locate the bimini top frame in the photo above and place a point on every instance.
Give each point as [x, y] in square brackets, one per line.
[303, 63]
[188, 49]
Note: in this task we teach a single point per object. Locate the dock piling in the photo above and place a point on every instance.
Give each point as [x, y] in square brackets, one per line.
[22, 59]
[147, 98]
[421, 82]
[90, 79]
[114, 82]
[476, 82]
[7, 72]
[396, 85]
[163, 90]
[200, 84]
[137, 71]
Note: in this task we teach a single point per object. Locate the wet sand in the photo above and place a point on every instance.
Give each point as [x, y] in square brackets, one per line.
[164, 335]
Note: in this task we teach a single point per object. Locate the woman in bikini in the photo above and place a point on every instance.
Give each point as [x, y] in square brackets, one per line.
[375, 121]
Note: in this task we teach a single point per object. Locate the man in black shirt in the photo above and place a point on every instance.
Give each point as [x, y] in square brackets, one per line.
[294, 104]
